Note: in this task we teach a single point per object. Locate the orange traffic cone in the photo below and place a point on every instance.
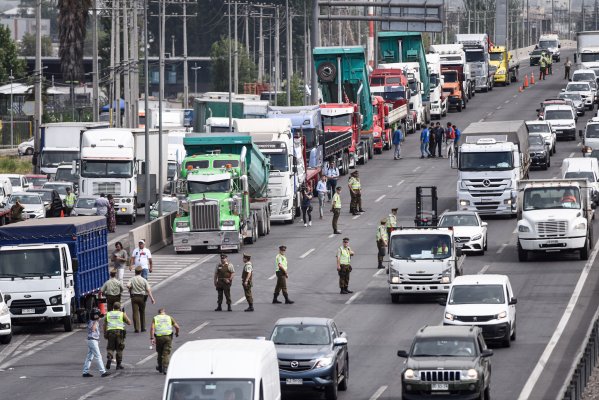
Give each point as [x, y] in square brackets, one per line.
[532, 78]
[61, 213]
[525, 81]
[102, 305]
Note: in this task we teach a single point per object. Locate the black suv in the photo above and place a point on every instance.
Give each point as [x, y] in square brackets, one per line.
[312, 355]
[447, 362]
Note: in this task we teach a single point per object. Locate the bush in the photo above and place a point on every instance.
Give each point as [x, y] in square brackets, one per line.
[14, 165]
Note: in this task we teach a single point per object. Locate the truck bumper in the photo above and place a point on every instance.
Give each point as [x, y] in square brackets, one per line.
[213, 240]
[408, 288]
[279, 211]
[496, 205]
[500, 78]
[553, 244]
[481, 83]
[36, 311]
[122, 209]
[436, 108]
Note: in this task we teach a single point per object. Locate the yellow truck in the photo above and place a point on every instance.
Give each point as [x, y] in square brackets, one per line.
[507, 68]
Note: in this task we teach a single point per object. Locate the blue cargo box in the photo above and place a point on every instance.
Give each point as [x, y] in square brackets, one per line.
[87, 238]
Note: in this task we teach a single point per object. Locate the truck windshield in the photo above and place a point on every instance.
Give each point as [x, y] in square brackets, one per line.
[496, 56]
[592, 131]
[310, 137]
[223, 163]
[550, 198]
[444, 347]
[30, 262]
[208, 187]
[377, 81]
[589, 57]
[64, 174]
[477, 294]
[414, 87]
[434, 80]
[394, 94]
[107, 169]
[558, 114]
[315, 335]
[545, 44]
[588, 175]
[486, 161]
[450, 77]
[420, 247]
[278, 161]
[475, 56]
[171, 171]
[210, 389]
[53, 158]
[337, 120]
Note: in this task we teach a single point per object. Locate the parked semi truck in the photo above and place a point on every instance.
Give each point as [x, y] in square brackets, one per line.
[53, 269]
[506, 68]
[476, 47]
[439, 104]
[587, 50]
[554, 215]
[491, 159]
[216, 104]
[225, 183]
[453, 58]
[392, 86]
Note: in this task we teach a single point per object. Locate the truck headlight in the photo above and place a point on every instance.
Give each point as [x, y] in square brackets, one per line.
[123, 209]
[395, 279]
[464, 203]
[508, 202]
[285, 204]
[581, 226]
[449, 316]
[229, 222]
[470, 374]
[324, 362]
[523, 228]
[446, 279]
[182, 226]
[56, 300]
[411, 375]
[501, 315]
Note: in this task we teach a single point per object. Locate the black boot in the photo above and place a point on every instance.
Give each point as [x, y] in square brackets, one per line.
[219, 308]
[287, 301]
[229, 307]
[250, 308]
[342, 291]
[275, 299]
[159, 368]
[347, 290]
[119, 366]
[108, 363]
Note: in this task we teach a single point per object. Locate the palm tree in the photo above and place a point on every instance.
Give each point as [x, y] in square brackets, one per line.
[72, 20]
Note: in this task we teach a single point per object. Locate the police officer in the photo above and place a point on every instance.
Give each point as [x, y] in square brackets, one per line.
[223, 277]
[69, 202]
[392, 219]
[281, 272]
[246, 281]
[344, 254]
[382, 239]
[355, 189]
[542, 66]
[161, 336]
[336, 209]
[114, 333]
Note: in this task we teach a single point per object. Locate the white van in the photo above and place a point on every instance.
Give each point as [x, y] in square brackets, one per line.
[583, 168]
[217, 368]
[5, 190]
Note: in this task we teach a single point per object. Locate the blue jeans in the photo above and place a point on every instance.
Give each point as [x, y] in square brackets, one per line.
[397, 152]
[144, 273]
[424, 149]
[93, 351]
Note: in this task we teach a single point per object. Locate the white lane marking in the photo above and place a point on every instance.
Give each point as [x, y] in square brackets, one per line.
[357, 216]
[389, 186]
[197, 328]
[353, 298]
[331, 235]
[561, 326]
[484, 269]
[377, 273]
[91, 393]
[381, 197]
[48, 343]
[400, 182]
[498, 108]
[378, 393]
[571, 155]
[481, 120]
[416, 169]
[13, 346]
[307, 253]
[500, 250]
[507, 101]
[145, 360]
[272, 277]
[239, 301]
[514, 96]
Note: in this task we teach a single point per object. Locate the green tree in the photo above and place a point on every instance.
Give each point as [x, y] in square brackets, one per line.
[28, 45]
[297, 91]
[219, 69]
[9, 56]
[72, 22]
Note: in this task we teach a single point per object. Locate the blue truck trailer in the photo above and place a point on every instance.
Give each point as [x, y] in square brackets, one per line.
[52, 269]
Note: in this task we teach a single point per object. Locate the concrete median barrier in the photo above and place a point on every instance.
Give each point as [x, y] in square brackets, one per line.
[157, 234]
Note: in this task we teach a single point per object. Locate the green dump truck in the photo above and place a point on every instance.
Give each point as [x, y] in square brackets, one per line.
[225, 182]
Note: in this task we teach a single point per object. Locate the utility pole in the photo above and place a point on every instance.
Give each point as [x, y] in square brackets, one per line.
[289, 52]
[12, 111]
[247, 29]
[146, 126]
[314, 42]
[162, 25]
[277, 54]
[126, 81]
[195, 78]
[117, 62]
[38, 85]
[235, 57]
[134, 73]
[306, 53]
[260, 49]
[112, 104]
[95, 94]
[230, 67]
[185, 66]
[370, 43]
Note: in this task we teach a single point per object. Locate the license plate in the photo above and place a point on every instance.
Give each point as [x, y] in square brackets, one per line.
[486, 200]
[28, 311]
[552, 241]
[294, 381]
[440, 386]
[459, 245]
[228, 247]
[183, 248]
[212, 247]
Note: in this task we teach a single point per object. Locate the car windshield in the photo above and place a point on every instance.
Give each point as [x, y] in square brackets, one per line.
[109, 169]
[15, 181]
[337, 120]
[592, 131]
[85, 203]
[578, 87]
[213, 389]
[535, 139]
[301, 334]
[222, 186]
[420, 247]
[558, 114]
[61, 189]
[46, 194]
[475, 56]
[583, 77]
[588, 175]
[64, 174]
[571, 96]
[25, 199]
[551, 198]
[458, 220]
[476, 294]
[496, 56]
[445, 347]
[38, 181]
[30, 262]
[537, 52]
[501, 161]
[538, 128]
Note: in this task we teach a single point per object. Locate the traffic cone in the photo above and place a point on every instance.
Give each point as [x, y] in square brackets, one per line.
[532, 78]
[102, 305]
[525, 81]
[61, 213]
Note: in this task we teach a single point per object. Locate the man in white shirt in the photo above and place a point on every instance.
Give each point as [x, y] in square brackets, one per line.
[321, 189]
[141, 257]
[332, 173]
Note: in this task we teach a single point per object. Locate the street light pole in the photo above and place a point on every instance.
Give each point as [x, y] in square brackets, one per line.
[12, 111]
[195, 78]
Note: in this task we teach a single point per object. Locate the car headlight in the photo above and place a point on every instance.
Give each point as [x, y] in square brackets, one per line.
[324, 362]
[411, 375]
[56, 300]
[523, 228]
[581, 226]
[464, 203]
[501, 315]
[449, 316]
[470, 374]
[3, 310]
[477, 237]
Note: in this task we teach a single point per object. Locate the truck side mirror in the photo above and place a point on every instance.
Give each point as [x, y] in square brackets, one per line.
[559, 46]
[574, 57]
[74, 168]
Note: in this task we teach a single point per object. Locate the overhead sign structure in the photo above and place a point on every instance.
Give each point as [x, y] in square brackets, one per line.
[501, 23]
[418, 15]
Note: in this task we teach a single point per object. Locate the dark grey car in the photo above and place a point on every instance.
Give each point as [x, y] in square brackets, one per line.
[540, 155]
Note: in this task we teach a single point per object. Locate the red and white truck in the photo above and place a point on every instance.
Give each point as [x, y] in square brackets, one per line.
[392, 86]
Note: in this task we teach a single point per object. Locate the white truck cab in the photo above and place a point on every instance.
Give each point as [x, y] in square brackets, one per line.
[590, 137]
[5, 189]
[583, 168]
[438, 99]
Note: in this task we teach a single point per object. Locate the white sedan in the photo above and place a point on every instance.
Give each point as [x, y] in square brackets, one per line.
[469, 230]
[25, 148]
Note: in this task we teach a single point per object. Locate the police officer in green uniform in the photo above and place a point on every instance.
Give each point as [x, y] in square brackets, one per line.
[246, 281]
[542, 66]
[344, 255]
[392, 219]
[281, 272]
[223, 278]
[355, 190]
[382, 239]
[336, 209]
[161, 336]
[69, 202]
[114, 333]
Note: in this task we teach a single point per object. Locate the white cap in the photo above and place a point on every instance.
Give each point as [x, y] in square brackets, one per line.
[142, 241]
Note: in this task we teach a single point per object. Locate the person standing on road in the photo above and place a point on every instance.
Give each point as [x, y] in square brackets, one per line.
[111, 215]
[141, 257]
[424, 142]
[336, 209]
[392, 219]
[55, 205]
[69, 202]
[355, 188]
[382, 239]
[344, 255]
[101, 205]
[456, 141]
[119, 259]
[397, 138]
[161, 336]
[223, 278]
[332, 173]
[246, 281]
[112, 289]
[306, 205]
[567, 66]
[282, 276]
[321, 189]
[449, 140]
[542, 66]
[431, 141]
[139, 288]
[439, 134]
[93, 346]
[114, 333]
[549, 63]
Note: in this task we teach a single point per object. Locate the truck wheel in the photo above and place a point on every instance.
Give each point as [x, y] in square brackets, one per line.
[584, 252]
[522, 254]
[370, 151]
[465, 101]
[262, 225]
[67, 323]
[395, 298]
[460, 107]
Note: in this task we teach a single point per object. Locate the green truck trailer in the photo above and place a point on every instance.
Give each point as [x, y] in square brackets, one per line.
[225, 182]
[216, 105]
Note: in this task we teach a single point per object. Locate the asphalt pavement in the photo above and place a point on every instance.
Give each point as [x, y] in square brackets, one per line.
[44, 362]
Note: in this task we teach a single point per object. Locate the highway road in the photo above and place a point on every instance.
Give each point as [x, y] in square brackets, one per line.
[555, 294]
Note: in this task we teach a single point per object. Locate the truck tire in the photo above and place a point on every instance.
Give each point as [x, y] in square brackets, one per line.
[5, 339]
[465, 101]
[522, 254]
[459, 107]
[327, 72]
[584, 252]
[370, 151]
[262, 224]
[395, 298]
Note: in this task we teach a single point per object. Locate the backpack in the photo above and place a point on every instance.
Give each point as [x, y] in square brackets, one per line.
[449, 133]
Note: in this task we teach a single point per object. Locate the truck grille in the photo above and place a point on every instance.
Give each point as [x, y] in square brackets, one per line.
[106, 188]
[486, 184]
[296, 365]
[420, 278]
[487, 206]
[17, 306]
[204, 216]
[439, 376]
[552, 228]
[476, 318]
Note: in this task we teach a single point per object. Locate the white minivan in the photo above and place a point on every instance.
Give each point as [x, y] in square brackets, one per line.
[223, 369]
[583, 168]
[486, 301]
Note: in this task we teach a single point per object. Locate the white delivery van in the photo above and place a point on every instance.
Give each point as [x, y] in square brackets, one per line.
[5, 190]
[583, 168]
[217, 368]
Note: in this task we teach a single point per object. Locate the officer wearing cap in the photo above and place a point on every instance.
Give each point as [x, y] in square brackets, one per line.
[281, 273]
[392, 219]
[114, 333]
[344, 255]
[246, 281]
[382, 238]
[161, 335]
[139, 288]
[223, 278]
[355, 191]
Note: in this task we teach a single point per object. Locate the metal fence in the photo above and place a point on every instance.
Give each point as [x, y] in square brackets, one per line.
[22, 129]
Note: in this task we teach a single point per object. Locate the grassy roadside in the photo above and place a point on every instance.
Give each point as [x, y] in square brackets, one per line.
[15, 165]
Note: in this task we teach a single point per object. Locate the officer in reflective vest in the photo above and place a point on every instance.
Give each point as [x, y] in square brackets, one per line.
[392, 219]
[382, 238]
[69, 202]
[114, 333]
[440, 249]
[336, 209]
[344, 254]
[355, 190]
[161, 335]
[281, 272]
